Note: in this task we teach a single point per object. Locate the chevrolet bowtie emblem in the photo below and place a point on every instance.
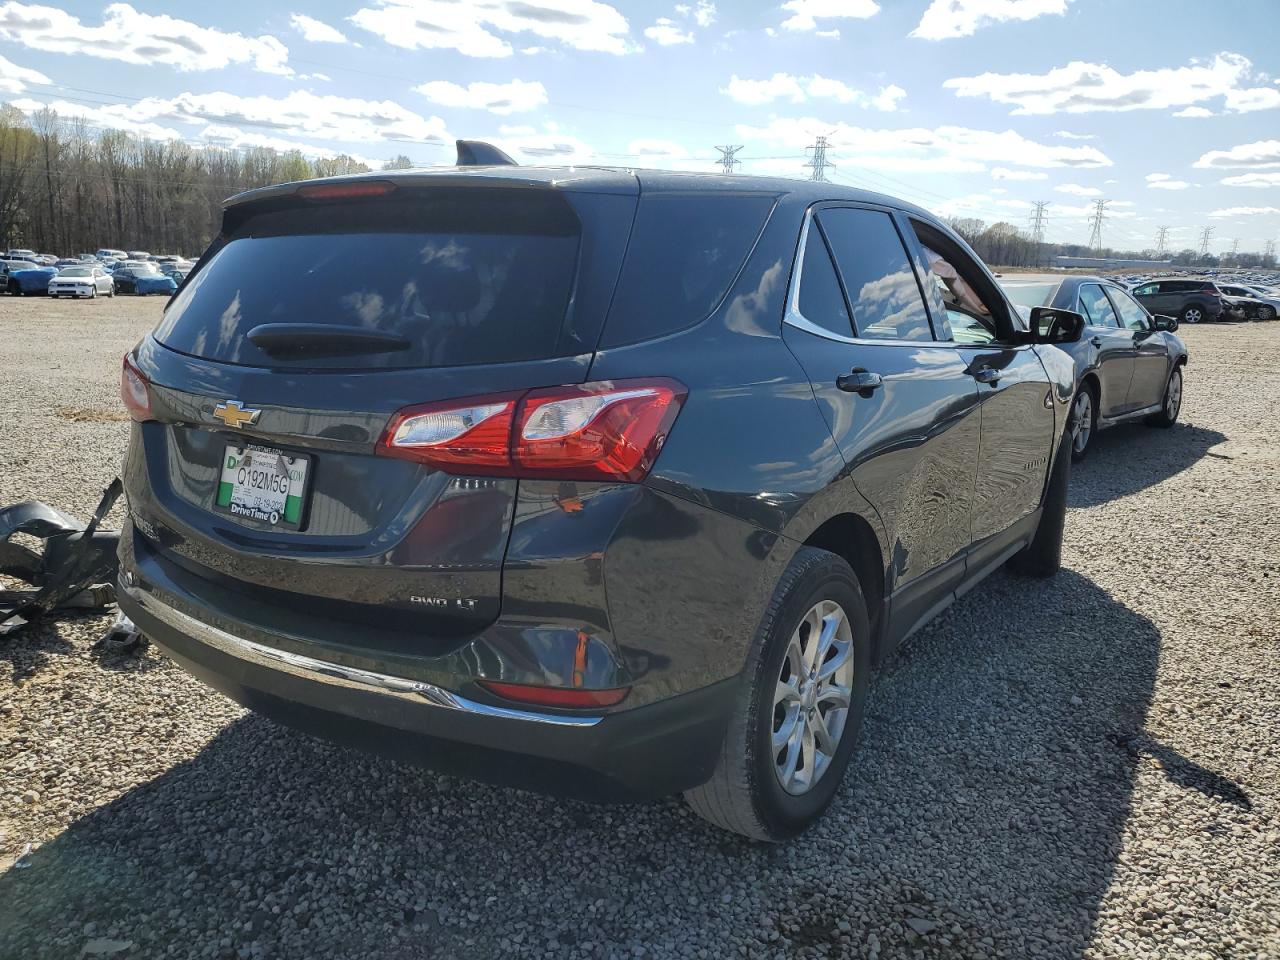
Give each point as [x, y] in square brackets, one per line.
[233, 415]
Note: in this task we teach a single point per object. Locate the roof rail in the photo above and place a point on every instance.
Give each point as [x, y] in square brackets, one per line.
[477, 153]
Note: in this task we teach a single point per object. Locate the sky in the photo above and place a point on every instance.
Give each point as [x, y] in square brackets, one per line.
[975, 108]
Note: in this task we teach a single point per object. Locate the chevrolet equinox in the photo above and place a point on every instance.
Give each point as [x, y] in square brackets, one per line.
[607, 483]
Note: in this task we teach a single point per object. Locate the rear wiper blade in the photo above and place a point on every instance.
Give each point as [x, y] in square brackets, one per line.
[323, 338]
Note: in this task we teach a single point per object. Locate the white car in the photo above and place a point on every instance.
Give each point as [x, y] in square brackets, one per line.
[86, 281]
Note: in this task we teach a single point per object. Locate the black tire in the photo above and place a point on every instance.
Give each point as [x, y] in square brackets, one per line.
[745, 795]
[1170, 401]
[1266, 312]
[1042, 557]
[1078, 451]
[1193, 313]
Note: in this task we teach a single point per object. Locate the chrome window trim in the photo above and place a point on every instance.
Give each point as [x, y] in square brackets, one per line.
[337, 675]
[794, 318]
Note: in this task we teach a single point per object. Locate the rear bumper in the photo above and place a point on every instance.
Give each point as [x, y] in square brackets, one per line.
[651, 751]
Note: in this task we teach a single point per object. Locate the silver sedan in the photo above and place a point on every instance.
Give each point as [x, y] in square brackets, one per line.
[85, 281]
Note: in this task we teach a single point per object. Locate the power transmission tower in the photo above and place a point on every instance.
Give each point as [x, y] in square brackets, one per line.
[1235, 246]
[1162, 234]
[818, 162]
[1205, 236]
[1099, 215]
[728, 163]
[1037, 228]
[1269, 250]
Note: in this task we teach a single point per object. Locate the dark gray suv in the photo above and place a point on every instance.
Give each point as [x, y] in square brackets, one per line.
[607, 483]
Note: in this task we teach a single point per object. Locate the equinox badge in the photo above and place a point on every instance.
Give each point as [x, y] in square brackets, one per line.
[233, 415]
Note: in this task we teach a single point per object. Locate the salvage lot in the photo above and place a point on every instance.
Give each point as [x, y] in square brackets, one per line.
[1084, 767]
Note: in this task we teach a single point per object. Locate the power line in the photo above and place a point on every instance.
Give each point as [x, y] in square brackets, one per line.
[728, 158]
[819, 163]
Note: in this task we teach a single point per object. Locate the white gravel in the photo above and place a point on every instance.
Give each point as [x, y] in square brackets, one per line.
[1088, 767]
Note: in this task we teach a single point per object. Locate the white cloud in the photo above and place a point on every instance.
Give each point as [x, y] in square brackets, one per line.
[1253, 180]
[474, 29]
[1076, 190]
[784, 86]
[552, 148]
[518, 96]
[1082, 87]
[703, 13]
[298, 114]
[233, 138]
[1004, 173]
[14, 79]
[943, 149]
[1256, 155]
[667, 33]
[1244, 212]
[129, 36]
[1068, 135]
[832, 34]
[805, 14]
[317, 31]
[104, 118]
[1194, 112]
[1163, 181]
[962, 18]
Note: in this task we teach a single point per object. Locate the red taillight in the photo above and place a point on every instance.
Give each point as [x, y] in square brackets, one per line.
[346, 191]
[1211, 292]
[612, 430]
[135, 392]
[567, 697]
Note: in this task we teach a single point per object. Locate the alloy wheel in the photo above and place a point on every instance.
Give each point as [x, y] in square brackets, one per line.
[1082, 428]
[1173, 396]
[1192, 315]
[811, 698]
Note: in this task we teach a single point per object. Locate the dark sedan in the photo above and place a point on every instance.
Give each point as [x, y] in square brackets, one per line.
[1128, 363]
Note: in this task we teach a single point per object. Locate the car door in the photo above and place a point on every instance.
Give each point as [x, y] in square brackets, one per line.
[1150, 351]
[1114, 346]
[1148, 294]
[902, 407]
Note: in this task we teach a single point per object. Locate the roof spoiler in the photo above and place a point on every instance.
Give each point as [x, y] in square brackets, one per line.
[477, 153]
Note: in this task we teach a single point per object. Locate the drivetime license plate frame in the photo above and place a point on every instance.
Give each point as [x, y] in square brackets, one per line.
[265, 484]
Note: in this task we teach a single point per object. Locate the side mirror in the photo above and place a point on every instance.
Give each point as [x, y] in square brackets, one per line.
[1160, 322]
[1051, 325]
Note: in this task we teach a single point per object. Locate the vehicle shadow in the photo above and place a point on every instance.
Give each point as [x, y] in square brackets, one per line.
[1148, 457]
[984, 812]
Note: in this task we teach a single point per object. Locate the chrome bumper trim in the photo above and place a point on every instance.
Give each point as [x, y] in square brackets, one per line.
[351, 678]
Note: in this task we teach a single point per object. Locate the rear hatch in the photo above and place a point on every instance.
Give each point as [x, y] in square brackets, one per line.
[318, 313]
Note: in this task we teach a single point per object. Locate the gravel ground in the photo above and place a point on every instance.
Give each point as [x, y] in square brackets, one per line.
[1088, 767]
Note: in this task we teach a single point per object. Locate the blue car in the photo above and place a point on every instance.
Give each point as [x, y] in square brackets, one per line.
[33, 280]
[141, 281]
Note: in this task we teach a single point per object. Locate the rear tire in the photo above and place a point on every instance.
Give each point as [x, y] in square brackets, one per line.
[1084, 422]
[1170, 403]
[1042, 557]
[1192, 313]
[1266, 312]
[757, 789]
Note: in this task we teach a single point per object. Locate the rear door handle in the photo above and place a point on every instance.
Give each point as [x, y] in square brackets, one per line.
[859, 381]
[1096, 341]
[986, 374]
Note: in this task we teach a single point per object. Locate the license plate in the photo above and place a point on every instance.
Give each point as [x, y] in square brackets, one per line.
[262, 483]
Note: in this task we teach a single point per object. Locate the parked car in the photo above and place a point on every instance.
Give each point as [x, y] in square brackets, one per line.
[1128, 363]
[106, 253]
[1252, 304]
[176, 271]
[1191, 301]
[141, 280]
[412, 431]
[82, 281]
[21, 253]
[1268, 295]
[29, 281]
[138, 255]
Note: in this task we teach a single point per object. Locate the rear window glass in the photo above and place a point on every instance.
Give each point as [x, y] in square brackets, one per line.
[685, 252]
[463, 276]
[1031, 294]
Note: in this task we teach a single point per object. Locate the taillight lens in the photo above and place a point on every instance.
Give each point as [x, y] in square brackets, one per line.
[350, 190]
[611, 430]
[566, 697]
[1211, 292]
[135, 392]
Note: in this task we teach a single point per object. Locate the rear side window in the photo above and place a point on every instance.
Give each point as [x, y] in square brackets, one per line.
[821, 300]
[465, 276]
[1095, 306]
[878, 276]
[685, 252]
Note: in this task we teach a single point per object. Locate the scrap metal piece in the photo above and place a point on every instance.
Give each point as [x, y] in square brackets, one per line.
[76, 567]
[123, 636]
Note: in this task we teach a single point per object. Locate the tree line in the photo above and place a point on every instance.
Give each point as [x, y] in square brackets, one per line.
[67, 188]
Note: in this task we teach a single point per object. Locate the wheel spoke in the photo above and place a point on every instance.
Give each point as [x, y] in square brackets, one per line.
[787, 772]
[788, 693]
[783, 735]
[843, 654]
[835, 695]
[821, 735]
